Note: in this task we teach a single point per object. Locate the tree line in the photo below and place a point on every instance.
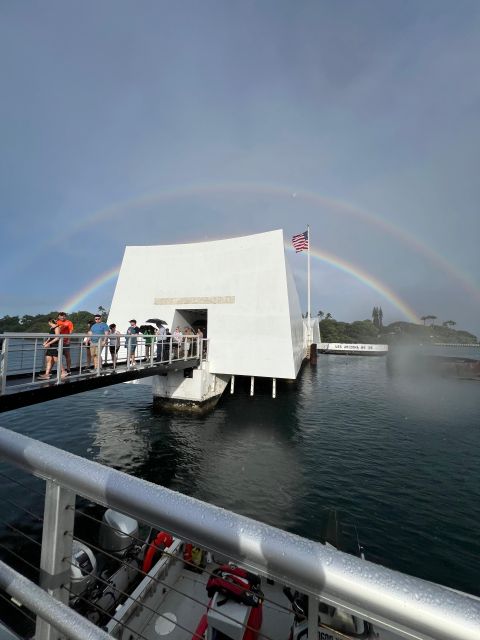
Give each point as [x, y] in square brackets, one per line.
[39, 322]
[375, 332]
[331, 330]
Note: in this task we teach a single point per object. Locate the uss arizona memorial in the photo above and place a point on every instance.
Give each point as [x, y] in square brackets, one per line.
[241, 290]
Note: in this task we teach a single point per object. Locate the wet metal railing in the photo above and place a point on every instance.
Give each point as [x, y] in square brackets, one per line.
[407, 606]
[23, 355]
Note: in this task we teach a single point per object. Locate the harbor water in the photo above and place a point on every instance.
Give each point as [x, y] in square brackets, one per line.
[396, 455]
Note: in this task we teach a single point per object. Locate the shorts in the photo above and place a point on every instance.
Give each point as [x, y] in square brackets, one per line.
[94, 349]
[114, 350]
[131, 348]
[53, 353]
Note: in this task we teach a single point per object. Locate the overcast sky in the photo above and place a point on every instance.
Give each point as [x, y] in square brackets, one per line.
[170, 122]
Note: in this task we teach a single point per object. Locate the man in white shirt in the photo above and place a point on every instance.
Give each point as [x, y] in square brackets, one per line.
[161, 343]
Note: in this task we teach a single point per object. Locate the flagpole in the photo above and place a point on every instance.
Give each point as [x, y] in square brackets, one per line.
[308, 290]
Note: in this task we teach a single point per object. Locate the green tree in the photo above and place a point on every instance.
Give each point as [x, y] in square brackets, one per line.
[449, 323]
[10, 323]
[362, 331]
[39, 322]
[103, 312]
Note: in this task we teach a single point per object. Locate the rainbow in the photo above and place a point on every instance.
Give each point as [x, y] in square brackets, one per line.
[347, 267]
[79, 298]
[328, 204]
[367, 279]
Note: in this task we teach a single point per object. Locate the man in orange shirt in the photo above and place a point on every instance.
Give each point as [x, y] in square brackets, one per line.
[66, 327]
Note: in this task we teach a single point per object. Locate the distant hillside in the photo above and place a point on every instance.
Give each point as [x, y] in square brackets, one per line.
[364, 331]
[397, 332]
[39, 323]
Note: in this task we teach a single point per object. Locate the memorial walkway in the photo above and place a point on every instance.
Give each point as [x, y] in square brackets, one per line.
[22, 361]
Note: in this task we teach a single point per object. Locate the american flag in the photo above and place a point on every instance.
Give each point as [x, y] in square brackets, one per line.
[300, 241]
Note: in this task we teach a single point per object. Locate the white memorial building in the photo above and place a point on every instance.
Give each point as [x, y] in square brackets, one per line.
[240, 291]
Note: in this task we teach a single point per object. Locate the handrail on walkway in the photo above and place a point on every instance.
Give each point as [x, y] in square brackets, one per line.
[25, 354]
[411, 607]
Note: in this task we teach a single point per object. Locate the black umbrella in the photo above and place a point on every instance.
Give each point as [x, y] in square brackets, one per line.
[156, 321]
[147, 329]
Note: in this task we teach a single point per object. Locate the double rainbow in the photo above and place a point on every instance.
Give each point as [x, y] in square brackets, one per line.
[359, 274]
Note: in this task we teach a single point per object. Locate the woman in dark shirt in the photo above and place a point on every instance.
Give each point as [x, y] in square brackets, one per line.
[51, 353]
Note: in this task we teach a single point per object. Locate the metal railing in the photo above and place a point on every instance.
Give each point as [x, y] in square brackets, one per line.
[408, 606]
[468, 345]
[23, 355]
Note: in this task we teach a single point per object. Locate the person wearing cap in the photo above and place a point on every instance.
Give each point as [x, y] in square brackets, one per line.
[98, 329]
[131, 343]
[66, 328]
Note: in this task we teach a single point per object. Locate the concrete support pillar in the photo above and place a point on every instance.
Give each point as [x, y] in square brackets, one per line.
[252, 383]
[197, 393]
[313, 353]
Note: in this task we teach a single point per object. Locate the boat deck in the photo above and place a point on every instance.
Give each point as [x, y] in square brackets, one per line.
[175, 612]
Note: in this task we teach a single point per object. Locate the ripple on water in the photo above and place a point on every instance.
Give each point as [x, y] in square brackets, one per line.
[398, 457]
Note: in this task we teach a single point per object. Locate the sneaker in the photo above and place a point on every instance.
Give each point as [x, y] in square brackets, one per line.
[67, 373]
[44, 376]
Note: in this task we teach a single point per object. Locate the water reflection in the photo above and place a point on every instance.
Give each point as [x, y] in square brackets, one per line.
[397, 455]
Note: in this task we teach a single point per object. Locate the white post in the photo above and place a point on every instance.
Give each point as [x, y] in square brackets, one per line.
[4, 365]
[99, 355]
[34, 360]
[57, 536]
[232, 384]
[274, 387]
[60, 360]
[80, 364]
[313, 618]
[251, 385]
[309, 323]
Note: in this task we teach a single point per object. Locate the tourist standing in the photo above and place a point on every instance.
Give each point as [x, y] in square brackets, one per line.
[66, 328]
[114, 344]
[177, 339]
[86, 343]
[51, 353]
[148, 331]
[131, 345]
[200, 342]
[97, 330]
[187, 339]
[161, 336]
